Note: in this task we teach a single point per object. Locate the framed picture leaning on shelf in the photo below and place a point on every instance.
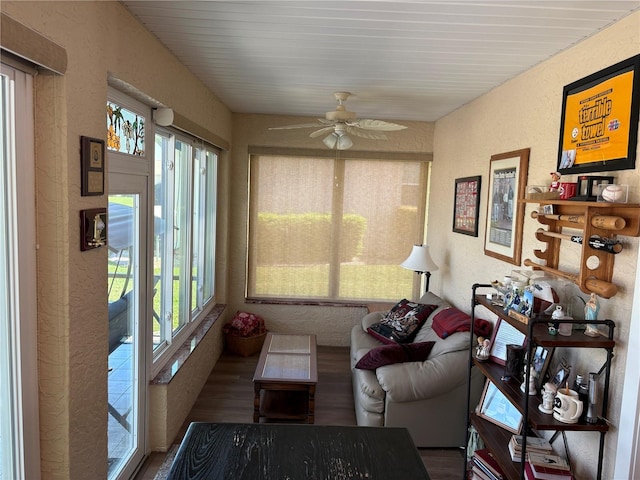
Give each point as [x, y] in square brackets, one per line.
[505, 214]
[504, 334]
[540, 363]
[496, 408]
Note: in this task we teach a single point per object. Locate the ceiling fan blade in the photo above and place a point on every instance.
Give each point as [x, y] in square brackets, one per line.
[369, 124]
[317, 133]
[366, 133]
[302, 125]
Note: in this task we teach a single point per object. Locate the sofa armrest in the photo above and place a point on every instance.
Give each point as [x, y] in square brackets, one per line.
[410, 381]
[371, 318]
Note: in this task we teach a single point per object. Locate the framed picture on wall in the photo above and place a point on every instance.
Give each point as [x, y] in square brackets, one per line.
[599, 125]
[466, 205]
[505, 214]
[92, 167]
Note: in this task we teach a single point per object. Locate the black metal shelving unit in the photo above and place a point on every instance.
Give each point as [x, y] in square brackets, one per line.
[495, 438]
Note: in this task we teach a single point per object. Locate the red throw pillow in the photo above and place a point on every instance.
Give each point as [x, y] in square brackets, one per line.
[396, 353]
[402, 322]
[449, 321]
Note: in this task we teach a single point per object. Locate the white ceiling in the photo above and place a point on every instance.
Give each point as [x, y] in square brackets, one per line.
[404, 60]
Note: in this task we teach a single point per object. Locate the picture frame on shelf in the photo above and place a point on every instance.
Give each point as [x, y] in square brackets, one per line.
[599, 124]
[497, 409]
[466, 206]
[504, 334]
[505, 212]
[541, 357]
[561, 374]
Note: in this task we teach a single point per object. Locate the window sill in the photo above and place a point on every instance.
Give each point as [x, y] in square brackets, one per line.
[177, 361]
[311, 303]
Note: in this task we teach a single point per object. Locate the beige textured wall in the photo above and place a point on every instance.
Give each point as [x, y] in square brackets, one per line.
[100, 38]
[331, 324]
[170, 404]
[525, 112]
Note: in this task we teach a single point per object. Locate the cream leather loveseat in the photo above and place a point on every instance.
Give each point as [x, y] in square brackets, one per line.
[427, 397]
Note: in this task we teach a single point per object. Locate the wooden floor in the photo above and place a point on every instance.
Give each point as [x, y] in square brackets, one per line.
[228, 397]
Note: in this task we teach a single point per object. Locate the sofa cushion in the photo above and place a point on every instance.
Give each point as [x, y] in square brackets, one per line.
[397, 353]
[450, 320]
[402, 322]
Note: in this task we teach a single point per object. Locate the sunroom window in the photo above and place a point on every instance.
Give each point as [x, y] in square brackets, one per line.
[185, 209]
[333, 229]
[182, 172]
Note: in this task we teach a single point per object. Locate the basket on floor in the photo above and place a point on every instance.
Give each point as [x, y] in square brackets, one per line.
[244, 346]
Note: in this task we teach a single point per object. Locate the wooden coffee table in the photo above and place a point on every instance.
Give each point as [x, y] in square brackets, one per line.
[285, 379]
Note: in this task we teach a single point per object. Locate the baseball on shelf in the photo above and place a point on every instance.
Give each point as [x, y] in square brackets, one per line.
[612, 193]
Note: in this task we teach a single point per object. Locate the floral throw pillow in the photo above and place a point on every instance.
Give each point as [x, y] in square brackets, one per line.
[402, 322]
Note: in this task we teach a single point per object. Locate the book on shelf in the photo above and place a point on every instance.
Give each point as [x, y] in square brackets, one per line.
[529, 474]
[536, 444]
[484, 458]
[478, 474]
[547, 460]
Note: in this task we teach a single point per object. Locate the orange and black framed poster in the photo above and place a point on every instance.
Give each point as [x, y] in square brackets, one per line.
[599, 127]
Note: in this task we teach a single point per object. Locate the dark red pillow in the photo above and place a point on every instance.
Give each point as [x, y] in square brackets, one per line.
[396, 353]
[402, 322]
[449, 321]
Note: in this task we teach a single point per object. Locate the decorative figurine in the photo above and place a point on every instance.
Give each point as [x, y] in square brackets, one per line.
[548, 397]
[482, 350]
[555, 182]
[591, 309]
[557, 314]
[532, 381]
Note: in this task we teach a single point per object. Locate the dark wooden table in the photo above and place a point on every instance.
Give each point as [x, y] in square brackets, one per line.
[296, 452]
[285, 379]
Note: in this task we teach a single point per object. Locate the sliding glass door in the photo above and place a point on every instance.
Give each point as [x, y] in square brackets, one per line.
[127, 233]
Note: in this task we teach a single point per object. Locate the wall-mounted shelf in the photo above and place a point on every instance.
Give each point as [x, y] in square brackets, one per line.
[594, 219]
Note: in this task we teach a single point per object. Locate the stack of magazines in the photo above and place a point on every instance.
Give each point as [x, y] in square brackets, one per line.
[534, 444]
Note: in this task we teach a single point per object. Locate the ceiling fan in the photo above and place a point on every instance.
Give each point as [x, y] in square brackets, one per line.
[341, 122]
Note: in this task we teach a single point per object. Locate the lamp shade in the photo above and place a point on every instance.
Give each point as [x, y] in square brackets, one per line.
[419, 260]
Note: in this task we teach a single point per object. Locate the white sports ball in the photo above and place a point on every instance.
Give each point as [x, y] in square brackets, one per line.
[612, 193]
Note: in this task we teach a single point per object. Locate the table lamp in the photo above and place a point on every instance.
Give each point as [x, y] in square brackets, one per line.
[420, 262]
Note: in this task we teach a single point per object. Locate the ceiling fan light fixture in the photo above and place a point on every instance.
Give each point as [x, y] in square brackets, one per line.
[344, 142]
[330, 140]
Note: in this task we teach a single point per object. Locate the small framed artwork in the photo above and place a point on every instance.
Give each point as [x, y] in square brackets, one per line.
[92, 166]
[93, 228]
[496, 408]
[541, 357]
[505, 211]
[599, 125]
[504, 334]
[466, 205]
[561, 375]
